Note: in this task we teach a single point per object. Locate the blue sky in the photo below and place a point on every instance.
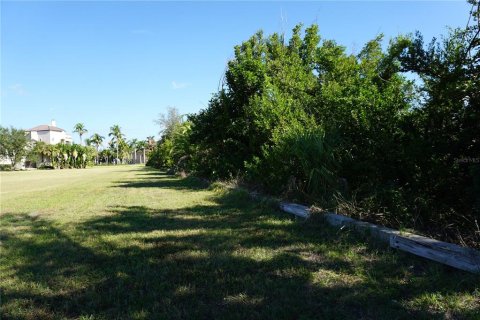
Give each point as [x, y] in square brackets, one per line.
[105, 63]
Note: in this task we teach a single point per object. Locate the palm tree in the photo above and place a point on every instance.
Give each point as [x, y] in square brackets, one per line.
[124, 150]
[84, 158]
[63, 155]
[40, 149]
[74, 155]
[117, 136]
[151, 143]
[54, 152]
[142, 145]
[134, 145]
[97, 140]
[106, 154]
[80, 129]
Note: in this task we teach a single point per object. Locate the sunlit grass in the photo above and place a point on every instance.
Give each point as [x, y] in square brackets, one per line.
[131, 243]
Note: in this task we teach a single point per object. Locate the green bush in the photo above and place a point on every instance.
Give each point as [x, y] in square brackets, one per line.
[5, 167]
[299, 161]
[303, 118]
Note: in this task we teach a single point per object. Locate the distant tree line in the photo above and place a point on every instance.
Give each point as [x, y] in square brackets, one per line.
[15, 147]
[303, 118]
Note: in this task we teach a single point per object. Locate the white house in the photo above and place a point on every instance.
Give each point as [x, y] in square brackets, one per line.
[50, 134]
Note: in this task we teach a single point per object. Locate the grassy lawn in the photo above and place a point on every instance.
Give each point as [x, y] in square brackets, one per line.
[131, 243]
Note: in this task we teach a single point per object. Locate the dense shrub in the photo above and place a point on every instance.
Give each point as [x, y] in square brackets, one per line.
[174, 150]
[305, 119]
[5, 167]
[300, 159]
[13, 145]
[61, 155]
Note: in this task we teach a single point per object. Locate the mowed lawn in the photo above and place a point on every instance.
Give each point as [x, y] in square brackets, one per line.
[128, 242]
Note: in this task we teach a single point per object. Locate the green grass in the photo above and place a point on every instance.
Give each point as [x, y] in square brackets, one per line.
[131, 243]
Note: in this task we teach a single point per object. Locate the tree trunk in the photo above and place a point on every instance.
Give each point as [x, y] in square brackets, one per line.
[13, 161]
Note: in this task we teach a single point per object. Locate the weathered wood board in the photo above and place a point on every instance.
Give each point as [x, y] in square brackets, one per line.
[466, 259]
[382, 233]
[296, 209]
[447, 253]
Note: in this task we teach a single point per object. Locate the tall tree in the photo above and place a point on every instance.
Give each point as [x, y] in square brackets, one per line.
[96, 140]
[80, 129]
[53, 150]
[169, 120]
[443, 131]
[150, 143]
[74, 153]
[134, 146]
[145, 144]
[13, 144]
[117, 137]
[41, 149]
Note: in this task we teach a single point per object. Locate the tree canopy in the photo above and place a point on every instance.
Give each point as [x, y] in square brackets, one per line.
[13, 144]
[303, 118]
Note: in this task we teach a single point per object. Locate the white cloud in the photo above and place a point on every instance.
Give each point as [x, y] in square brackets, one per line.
[179, 85]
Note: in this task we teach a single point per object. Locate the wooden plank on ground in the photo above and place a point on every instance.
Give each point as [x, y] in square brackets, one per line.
[296, 209]
[447, 253]
[338, 220]
[466, 259]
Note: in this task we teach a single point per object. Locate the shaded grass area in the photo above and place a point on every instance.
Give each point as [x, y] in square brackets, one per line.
[148, 180]
[217, 255]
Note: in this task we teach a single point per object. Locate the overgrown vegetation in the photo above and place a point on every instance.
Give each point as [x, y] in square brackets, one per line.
[128, 242]
[13, 145]
[304, 118]
[61, 156]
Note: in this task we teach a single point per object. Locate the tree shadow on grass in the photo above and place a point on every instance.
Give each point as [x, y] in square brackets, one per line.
[39, 260]
[158, 179]
[226, 261]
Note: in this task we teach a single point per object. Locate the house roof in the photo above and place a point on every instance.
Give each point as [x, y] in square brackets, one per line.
[44, 127]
